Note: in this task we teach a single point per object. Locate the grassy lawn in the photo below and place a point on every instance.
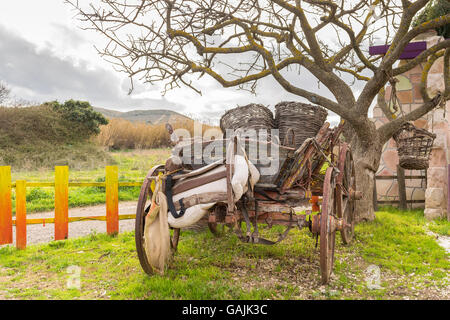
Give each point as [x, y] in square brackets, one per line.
[133, 166]
[411, 265]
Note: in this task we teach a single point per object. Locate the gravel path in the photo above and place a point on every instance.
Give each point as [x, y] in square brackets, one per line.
[37, 233]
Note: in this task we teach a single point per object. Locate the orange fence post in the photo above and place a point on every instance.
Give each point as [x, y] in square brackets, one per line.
[21, 214]
[6, 231]
[112, 199]
[61, 202]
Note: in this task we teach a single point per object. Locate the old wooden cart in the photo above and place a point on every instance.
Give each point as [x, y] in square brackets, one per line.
[300, 179]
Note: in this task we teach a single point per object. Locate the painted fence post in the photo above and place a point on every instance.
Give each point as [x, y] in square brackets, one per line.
[112, 200]
[21, 214]
[6, 229]
[61, 202]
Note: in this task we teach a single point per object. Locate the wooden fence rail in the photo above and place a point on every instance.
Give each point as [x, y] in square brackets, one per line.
[400, 177]
[61, 218]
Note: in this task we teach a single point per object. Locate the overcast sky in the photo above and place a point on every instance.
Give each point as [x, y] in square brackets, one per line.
[44, 56]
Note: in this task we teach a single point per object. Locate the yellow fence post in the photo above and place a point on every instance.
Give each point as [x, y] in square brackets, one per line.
[21, 214]
[6, 233]
[112, 199]
[61, 202]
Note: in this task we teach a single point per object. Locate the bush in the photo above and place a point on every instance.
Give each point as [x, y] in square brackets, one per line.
[82, 113]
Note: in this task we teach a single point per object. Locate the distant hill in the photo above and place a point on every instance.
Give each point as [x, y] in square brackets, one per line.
[146, 116]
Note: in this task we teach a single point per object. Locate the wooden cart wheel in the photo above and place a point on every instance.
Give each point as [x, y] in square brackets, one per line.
[327, 234]
[346, 182]
[144, 202]
[219, 229]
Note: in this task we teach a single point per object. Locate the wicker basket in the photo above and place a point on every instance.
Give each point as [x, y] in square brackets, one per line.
[413, 146]
[252, 116]
[304, 120]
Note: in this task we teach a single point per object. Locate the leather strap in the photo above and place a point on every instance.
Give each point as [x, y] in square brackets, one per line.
[192, 183]
[203, 198]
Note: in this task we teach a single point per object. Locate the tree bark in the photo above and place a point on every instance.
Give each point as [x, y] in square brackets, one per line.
[366, 148]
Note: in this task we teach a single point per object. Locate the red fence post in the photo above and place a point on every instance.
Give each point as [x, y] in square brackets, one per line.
[6, 229]
[21, 214]
[112, 200]
[61, 202]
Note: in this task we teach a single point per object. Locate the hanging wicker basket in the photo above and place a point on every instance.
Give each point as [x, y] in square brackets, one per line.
[304, 120]
[252, 116]
[414, 146]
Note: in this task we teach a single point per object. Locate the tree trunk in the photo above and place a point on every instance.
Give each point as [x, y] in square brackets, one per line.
[366, 148]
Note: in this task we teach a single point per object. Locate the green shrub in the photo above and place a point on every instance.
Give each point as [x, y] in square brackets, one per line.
[82, 113]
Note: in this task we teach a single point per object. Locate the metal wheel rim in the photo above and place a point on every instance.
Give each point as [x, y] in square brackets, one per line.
[327, 237]
[345, 205]
[146, 193]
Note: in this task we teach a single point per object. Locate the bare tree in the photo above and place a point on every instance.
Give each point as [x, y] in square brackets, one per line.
[238, 42]
[4, 92]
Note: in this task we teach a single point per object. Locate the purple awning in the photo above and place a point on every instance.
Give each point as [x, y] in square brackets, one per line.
[411, 50]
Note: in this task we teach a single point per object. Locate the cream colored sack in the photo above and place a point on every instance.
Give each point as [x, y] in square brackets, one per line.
[157, 236]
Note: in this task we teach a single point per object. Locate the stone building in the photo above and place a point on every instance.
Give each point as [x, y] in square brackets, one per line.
[434, 188]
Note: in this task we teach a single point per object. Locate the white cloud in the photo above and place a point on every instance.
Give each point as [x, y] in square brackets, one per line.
[46, 56]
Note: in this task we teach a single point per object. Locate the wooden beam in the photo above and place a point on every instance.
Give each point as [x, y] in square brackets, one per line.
[75, 219]
[401, 187]
[61, 202]
[448, 192]
[6, 233]
[21, 214]
[396, 201]
[81, 184]
[112, 200]
[395, 177]
[375, 196]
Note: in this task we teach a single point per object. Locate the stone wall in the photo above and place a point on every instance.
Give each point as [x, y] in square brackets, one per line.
[434, 189]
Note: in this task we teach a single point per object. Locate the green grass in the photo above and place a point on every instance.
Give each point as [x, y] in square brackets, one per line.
[133, 166]
[411, 265]
[41, 137]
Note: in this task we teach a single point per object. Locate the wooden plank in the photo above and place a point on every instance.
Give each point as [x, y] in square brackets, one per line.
[75, 219]
[6, 230]
[61, 202]
[396, 201]
[82, 184]
[411, 50]
[21, 214]
[112, 200]
[401, 187]
[375, 196]
[448, 192]
[395, 177]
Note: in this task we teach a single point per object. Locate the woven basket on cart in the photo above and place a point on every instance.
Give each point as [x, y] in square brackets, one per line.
[413, 146]
[303, 119]
[252, 116]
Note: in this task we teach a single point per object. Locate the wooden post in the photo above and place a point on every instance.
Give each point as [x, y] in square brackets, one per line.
[21, 214]
[61, 202]
[6, 229]
[375, 195]
[448, 192]
[112, 200]
[401, 187]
